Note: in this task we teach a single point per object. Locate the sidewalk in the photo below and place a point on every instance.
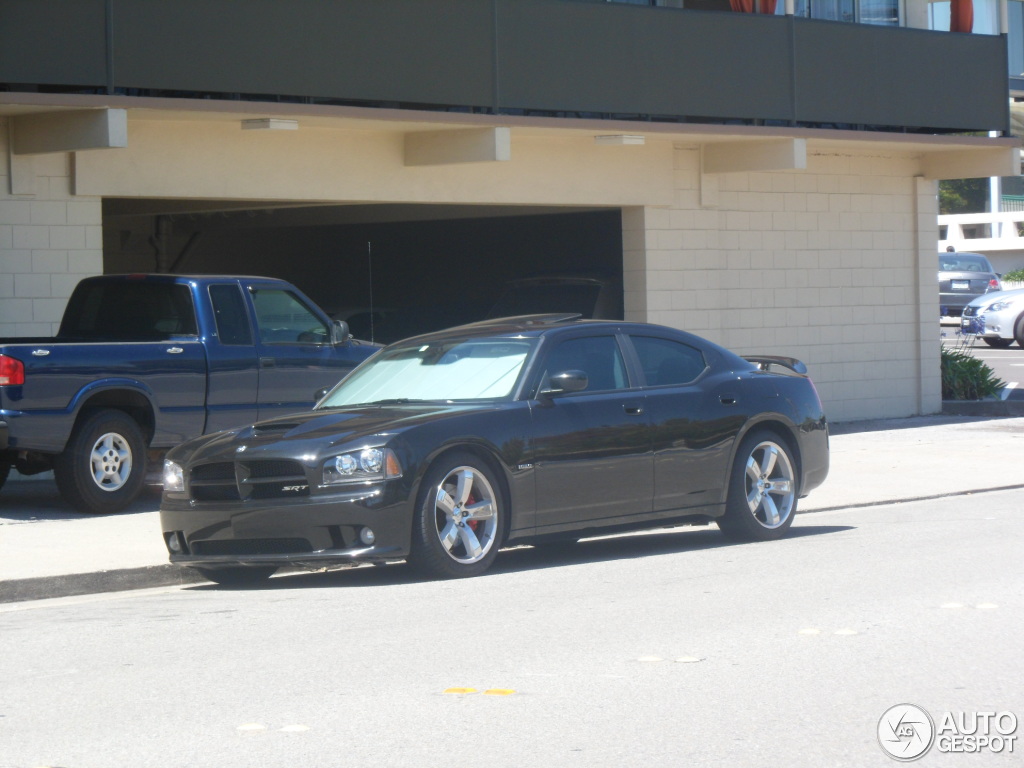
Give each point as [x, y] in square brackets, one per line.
[47, 550]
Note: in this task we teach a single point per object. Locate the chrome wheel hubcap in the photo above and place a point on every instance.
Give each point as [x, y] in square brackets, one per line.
[465, 515]
[771, 490]
[110, 462]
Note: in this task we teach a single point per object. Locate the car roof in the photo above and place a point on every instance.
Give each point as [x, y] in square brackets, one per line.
[556, 323]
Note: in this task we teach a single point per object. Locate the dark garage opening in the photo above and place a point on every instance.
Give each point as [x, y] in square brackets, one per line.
[421, 268]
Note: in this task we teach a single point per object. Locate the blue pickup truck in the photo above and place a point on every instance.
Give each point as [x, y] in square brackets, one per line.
[144, 362]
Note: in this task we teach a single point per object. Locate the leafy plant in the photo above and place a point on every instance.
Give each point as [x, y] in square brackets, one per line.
[1015, 276]
[965, 377]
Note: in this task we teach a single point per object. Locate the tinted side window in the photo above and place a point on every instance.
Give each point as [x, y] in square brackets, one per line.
[597, 356]
[667, 362]
[129, 310]
[230, 315]
[283, 318]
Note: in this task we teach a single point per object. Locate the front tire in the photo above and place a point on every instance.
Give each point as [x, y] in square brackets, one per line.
[1018, 331]
[103, 467]
[763, 489]
[459, 519]
[997, 342]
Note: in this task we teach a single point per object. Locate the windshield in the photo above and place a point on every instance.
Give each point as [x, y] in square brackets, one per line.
[455, 369]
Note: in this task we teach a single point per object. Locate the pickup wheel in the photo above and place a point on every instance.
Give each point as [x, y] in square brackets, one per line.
[5, 470]
[103, 467]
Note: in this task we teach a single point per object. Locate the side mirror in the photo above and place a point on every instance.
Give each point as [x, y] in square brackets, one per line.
[320, 393]
[566, 381]
[340, 333]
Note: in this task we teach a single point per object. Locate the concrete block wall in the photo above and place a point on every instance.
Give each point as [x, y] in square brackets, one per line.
[49, 240]
[832, 264]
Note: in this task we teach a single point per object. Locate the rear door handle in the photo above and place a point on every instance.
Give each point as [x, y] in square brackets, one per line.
[267, 362]
[727, 399]
[633, 410]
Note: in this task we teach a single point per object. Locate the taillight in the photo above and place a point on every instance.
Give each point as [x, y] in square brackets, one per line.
[12, 370]
[993, 285]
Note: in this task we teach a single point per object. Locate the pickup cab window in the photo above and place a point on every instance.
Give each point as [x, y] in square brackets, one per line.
[283, 318]
[129, 311]
[230, 315]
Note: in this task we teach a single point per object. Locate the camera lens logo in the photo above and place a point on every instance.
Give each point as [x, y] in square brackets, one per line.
[906, 732]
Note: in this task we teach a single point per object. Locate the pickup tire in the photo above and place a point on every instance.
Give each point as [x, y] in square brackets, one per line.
[5, 470]
[103, 467]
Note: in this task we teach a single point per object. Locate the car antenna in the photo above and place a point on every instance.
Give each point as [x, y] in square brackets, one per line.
[369, 264]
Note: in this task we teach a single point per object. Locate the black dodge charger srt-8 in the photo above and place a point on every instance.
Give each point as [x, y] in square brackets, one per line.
[443, 448]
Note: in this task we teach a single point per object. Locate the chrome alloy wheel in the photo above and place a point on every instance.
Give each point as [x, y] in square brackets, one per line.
[465, 515]
[110, 461]
[770, 487]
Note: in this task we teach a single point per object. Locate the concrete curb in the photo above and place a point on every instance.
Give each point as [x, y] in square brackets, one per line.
[983, 407]
[69, 585]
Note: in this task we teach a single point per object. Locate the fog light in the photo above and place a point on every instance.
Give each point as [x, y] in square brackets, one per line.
[367, 536]
[173, 544]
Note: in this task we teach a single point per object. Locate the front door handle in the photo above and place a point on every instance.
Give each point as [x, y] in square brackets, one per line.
[174, 350]
[727, 399]
[633, 410]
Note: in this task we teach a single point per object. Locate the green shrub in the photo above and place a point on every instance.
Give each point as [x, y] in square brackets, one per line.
[965, 377]
[1015, 276]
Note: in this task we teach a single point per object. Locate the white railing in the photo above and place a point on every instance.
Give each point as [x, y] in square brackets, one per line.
[982, 232]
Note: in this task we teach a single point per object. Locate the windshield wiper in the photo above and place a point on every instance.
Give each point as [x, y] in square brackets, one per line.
[395, 401]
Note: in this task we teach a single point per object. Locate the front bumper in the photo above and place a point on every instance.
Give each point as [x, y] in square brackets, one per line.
[991, 325]
[311, 532]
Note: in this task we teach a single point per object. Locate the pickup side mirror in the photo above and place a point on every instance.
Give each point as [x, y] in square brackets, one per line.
[566, 381]
[339, 333]
[321, 393]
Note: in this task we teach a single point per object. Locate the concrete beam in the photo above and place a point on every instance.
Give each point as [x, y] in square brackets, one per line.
[472, 145]
[967, 164]
[746, 156]
[72, 131]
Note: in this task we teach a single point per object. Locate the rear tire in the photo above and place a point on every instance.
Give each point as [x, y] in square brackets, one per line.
[103, 467]
[763, 489]
[5, 470]
[239, 576]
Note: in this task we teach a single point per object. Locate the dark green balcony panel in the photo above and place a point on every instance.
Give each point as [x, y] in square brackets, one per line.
[558, 57]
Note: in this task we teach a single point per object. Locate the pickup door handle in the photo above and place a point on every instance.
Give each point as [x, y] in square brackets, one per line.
[633, 410]
[174, 350]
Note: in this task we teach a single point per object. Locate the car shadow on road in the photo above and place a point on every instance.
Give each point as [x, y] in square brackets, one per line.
[29, 501]
[531, 558]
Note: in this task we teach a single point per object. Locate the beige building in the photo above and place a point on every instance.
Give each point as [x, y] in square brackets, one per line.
[812, 242]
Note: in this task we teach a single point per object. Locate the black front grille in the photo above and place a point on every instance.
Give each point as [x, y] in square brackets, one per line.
[252, 547]
[258, 479]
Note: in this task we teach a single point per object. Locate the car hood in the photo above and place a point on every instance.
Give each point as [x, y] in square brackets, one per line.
[315, 433]
[989, 298]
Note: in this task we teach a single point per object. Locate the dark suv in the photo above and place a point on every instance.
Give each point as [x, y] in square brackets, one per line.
[963, 277]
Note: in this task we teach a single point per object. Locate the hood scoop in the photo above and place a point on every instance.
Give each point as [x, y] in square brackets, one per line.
[272, 428]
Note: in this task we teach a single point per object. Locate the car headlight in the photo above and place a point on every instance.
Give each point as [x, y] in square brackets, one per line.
[174, 477]
[364, 465]
[999, 306]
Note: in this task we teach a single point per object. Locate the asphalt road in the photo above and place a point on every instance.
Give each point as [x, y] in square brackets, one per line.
[662, 649]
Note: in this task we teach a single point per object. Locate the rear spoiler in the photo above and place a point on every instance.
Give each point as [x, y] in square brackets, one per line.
[765, 363]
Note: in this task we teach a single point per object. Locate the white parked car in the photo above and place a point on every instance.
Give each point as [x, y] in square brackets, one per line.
[997, 318]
